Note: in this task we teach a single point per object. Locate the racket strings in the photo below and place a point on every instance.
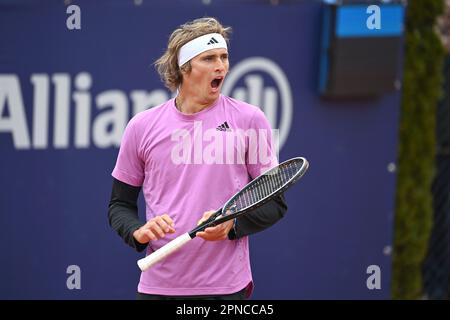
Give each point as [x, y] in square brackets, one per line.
[265, 186]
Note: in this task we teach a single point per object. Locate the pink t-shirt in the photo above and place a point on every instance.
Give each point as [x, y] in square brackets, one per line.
[189, 164]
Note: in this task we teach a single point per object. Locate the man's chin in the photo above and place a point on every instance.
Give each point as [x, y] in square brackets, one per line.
[214, 94]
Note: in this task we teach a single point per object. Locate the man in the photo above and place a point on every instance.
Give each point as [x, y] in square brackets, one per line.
[180, 154]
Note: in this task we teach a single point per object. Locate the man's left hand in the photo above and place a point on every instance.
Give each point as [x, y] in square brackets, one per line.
[219, 232]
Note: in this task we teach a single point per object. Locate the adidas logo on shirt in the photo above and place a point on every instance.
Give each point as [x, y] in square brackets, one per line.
[224, 127]
[212, 41]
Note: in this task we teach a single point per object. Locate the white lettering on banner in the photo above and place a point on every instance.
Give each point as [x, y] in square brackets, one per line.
[82, 99]
[62, 111]
[106, 128]
[374, 20]
[74, 20]
[40, 121]
[74, 280]
[99, 121]
[374, 280]
[11, 100]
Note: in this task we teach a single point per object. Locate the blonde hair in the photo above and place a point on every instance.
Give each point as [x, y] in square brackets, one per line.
[167, 65]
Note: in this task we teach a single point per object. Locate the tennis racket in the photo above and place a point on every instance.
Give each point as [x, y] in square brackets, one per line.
[257, 192]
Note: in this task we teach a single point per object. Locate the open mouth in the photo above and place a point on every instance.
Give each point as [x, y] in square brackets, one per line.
[216, 82]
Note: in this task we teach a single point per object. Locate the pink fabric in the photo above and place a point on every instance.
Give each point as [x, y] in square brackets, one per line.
[176, 158]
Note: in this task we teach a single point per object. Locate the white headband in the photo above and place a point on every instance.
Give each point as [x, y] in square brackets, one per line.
[199, 45]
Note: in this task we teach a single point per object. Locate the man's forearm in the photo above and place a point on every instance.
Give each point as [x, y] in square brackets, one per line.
[260, 218]
[125, 221]
[123, 213]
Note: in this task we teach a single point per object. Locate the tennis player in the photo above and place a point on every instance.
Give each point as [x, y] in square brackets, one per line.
[180, 155]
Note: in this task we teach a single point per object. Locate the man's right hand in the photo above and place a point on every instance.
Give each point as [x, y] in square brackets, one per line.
[156, 228]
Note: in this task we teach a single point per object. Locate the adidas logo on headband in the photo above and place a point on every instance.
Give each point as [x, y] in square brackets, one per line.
[212, 41]
[201, 44]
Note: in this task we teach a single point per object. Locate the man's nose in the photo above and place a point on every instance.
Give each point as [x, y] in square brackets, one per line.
[220, 65]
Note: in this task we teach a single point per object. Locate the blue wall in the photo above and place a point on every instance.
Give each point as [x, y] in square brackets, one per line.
[55, 192]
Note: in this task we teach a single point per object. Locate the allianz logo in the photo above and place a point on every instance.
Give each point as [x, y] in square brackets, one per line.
[79, 120]
[275, 101]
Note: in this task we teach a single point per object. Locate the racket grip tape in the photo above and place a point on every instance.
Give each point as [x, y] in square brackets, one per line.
[145, 263]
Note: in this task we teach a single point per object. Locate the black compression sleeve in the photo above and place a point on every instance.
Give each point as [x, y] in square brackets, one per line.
[123, 213]
[259, 219]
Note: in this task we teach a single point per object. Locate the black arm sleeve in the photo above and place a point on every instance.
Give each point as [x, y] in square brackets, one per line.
[259, 219]
[123, 213]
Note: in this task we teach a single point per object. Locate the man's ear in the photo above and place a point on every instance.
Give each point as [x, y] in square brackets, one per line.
[186, 68]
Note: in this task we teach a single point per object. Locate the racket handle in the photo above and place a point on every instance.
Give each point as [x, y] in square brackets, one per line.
[161, 253]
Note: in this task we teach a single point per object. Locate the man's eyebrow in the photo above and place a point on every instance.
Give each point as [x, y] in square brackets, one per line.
[211, 55]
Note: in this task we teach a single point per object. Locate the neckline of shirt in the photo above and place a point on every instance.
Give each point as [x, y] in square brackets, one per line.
[195, 116]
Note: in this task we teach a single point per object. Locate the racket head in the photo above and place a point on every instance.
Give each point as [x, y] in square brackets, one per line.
[259, 191]
[264, 187]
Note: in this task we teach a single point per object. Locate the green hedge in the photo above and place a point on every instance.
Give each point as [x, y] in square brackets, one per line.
[422, 83]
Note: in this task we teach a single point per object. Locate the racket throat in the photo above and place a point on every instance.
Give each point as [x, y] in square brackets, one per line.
[205, 224]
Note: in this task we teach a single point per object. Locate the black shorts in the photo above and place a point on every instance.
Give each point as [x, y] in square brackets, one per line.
[240, 295]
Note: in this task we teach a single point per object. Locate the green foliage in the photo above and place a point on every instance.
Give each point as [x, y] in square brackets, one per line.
[422, 83]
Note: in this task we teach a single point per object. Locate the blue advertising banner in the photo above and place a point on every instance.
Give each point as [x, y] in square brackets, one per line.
[70, 83]
[352, 21]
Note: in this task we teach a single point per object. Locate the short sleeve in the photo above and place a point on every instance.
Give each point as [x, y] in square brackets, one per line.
[262, 150]
[129, 166]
